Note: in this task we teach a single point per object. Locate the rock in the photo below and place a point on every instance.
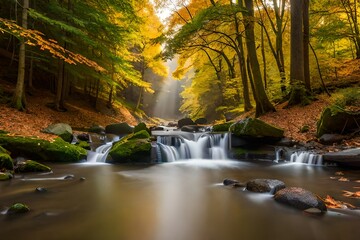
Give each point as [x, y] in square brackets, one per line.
[31, 166]
[82, 179]
[140, 127]
[201, 121]
[56, 151]
[184, 122]
[119, 129]
[347, 158]
[6, 161]
[84, 145]
[329, 139]
[133, 148]
[83, 137]
[193, 128]
[336, 120]
[299, 198]
[233, 183]
[70, 176]
[265, 185]
[97, 129]
[5, 176]
[18, 208]
[62, 130]
[172, 124]
[223, 127]
[255, 129]
[41, 190]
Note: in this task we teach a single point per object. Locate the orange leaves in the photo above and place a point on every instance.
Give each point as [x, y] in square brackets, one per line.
[332, 203]
[351, 194]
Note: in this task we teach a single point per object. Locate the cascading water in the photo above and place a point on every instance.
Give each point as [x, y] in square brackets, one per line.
[306, 157]
[201, 146]
[100, 154]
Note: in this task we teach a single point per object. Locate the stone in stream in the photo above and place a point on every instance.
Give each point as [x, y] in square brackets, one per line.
[18, 208]
[265, 185]
[233, 183]
[32, 166]
[299, 198]
[70, 176]
[41, 190]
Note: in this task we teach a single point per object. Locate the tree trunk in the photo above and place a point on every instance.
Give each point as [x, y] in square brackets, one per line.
[306, 41]
[18, 100]
[264, 105]
[59, 85]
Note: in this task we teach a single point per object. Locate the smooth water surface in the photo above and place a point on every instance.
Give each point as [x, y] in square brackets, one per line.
[173, 201]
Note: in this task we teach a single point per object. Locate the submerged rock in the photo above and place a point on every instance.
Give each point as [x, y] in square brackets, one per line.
[299, 198]
[18, 208]
[56, 151]
[265, 185]
[32, 166]
[255, 128]
[62, 130]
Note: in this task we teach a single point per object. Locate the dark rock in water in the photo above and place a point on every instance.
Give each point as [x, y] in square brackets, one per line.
[119, 128]
[6, 162]
[41, 190]
[193, 128]
[337, 120]
[62, 130]
[158, 128]
[233, 183]
[185, 122]
[31, 166]
[265, 185]
[141, 126]
[299, 198]
[255, 128]
[83, 137]
[97, 129]
[82, 179]
[70, 176]
[201, 121]
[172, 124]
[18, 208]
[347, 158]
[329, 139]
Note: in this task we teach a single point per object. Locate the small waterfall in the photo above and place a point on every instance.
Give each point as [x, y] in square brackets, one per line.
[201, 146]
[306, 157]
[100, 154]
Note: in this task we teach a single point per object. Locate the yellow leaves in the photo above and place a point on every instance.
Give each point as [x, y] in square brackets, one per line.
[351, 194]
[332, 203]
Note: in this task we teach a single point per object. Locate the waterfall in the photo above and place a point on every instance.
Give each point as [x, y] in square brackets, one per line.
[200, 146]
[306, 157]
[100, 154]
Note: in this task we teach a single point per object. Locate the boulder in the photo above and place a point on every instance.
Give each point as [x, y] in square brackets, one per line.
[141, 126]
[83, 137]
[18, 208]
[255, 128]
[31, 166]
[6, 161]
[222, 127]
[62, 130]
[265, 185]
[34, 148]
[97, 129]
[201, 121]
[329, 139]
[335, 119]
[133, 148]
[299, 198]
[184, 122]
[5, 176]
[346, 158]
[119, 129]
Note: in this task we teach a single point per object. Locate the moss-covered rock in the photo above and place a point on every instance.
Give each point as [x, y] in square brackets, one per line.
[42, 150]
[255, 128]
[3, 150]
[133, 148]
[222, 127]
[32, 166]
[18, 208]
[84, 145]
[141, 126]
[119, 128]
[5, 176]
[335, 119]
[6, 161]
[62, 130]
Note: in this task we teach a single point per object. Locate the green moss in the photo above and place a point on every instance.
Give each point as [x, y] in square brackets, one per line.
[223, 127]
[304, 129]
[18, 208]
[6, 161]
[131, 150]
[140, 127]
[39, 149]
[4, 176]
[32, 166]
[84, 145]
[251, 127]
[143, 134]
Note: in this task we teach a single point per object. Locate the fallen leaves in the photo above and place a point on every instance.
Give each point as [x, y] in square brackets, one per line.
[330, 202]
[351, 194]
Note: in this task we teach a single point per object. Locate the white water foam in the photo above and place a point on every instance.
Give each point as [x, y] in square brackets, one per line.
[306, 158]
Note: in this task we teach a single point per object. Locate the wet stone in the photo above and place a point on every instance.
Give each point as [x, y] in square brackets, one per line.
[265, 185]
[233, 183]
[71, 176]
[41, 190]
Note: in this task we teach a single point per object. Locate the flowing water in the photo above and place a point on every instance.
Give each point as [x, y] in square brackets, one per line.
[179, 200]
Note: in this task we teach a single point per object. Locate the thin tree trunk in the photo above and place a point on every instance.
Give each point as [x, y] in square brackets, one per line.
[306, 40]
[319, 70]
[18, 100]
[59, 85]
[263, 57]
